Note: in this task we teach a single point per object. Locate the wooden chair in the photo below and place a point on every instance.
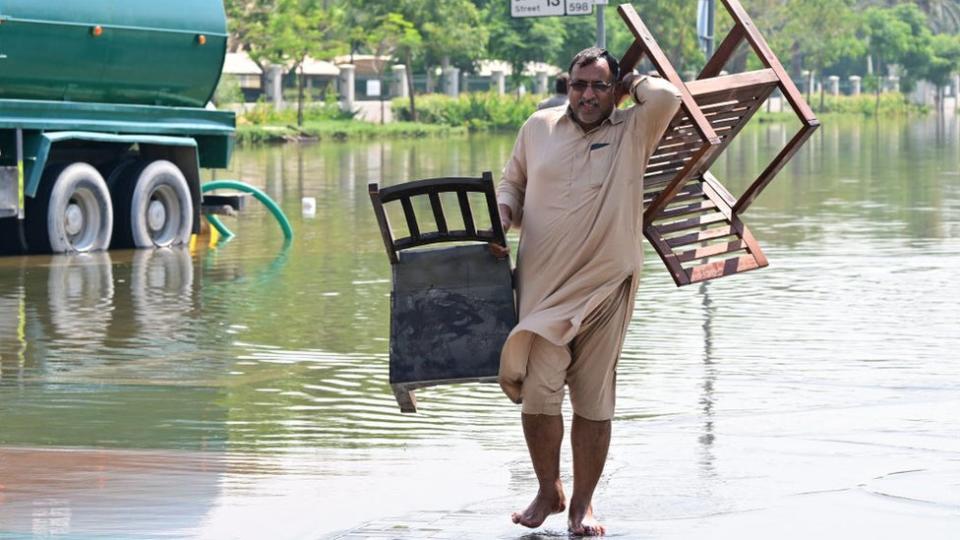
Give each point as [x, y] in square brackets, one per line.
[691, 219]
[451, 308]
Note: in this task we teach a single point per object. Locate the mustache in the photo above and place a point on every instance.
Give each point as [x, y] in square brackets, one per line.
[594, 102]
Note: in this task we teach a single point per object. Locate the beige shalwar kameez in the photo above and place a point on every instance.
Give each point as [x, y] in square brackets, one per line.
[578, 200]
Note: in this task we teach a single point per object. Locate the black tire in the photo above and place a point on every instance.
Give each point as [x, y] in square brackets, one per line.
[154, 206]
[72, 212]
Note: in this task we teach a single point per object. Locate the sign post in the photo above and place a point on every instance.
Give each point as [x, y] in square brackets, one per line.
[601, 24]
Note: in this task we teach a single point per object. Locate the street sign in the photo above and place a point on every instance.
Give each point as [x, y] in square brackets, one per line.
[579, 7]
[550, 8]
[536, 8]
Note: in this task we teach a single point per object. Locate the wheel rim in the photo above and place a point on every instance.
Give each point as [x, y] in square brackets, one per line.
[163, 215]
[81, 219]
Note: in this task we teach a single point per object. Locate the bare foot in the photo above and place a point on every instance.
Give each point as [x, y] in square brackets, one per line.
[584, 524]
[546, 502]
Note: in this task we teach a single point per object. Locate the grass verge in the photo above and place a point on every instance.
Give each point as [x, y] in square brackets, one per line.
[340, 130]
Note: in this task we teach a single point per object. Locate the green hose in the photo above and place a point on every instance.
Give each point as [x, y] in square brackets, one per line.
[259, 195]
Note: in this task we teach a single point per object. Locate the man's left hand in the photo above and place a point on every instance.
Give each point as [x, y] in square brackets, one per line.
[624, 85]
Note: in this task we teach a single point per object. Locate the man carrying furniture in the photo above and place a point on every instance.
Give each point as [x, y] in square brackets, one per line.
[574, 185]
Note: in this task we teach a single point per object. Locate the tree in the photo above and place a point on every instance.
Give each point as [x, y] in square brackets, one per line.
[285, 32]
[945, 62]
[297, 29]
[522, 40]
[822, 31]
[392, 33]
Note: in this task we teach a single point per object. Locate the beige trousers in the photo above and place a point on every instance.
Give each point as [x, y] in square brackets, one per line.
[588, 365]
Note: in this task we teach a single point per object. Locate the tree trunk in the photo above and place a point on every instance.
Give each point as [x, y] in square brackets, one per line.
[300, 94]
[821, 91]
[413, 105]
[876, 105]
[382, 89]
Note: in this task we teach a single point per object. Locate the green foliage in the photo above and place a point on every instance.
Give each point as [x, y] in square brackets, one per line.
[522, 40]
[228, 91]
[478, 111]
[340, 130]
[867, 105]
[945, 59]
[264, 114]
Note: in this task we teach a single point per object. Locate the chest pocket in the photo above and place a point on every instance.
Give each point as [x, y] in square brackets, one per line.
[597, 166]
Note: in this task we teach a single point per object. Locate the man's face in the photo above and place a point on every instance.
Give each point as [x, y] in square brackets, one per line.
[591, 93]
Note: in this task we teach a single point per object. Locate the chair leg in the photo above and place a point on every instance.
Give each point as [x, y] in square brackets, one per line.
[405, 398]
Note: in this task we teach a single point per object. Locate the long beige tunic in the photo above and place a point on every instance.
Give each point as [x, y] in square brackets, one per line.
[578, 200]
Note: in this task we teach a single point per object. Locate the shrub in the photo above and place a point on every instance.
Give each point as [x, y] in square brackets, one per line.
[228, 91]
[477, 111]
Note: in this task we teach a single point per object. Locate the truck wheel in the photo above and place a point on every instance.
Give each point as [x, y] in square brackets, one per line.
[73, 212]
[154, 206]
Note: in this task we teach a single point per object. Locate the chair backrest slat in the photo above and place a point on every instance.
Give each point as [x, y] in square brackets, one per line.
[438, 212]
[411, 217]
[467, 212]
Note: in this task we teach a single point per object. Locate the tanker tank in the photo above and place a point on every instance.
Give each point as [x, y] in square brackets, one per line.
[166, 53]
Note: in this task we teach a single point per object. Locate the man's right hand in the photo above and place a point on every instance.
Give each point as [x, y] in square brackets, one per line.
[506, 220]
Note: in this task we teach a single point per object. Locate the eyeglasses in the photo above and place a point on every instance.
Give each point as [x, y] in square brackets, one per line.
[598, 86]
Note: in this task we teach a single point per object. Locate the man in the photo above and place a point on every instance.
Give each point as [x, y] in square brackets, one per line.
[559, 98]
[574, 185]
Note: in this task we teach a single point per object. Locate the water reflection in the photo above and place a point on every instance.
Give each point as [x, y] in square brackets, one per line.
[106, 493]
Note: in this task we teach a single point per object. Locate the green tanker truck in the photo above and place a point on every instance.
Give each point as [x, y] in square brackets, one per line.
[103, 121]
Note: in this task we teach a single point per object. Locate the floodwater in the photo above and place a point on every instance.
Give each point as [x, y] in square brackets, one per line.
[240, 391]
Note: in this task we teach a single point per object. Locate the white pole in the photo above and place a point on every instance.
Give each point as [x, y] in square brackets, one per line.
[601, 23]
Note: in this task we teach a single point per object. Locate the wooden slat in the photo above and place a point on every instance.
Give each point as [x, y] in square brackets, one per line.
[661, 180]
[737, 83]
[729, 131]
[437, 237]
[669, 162]
[438, 212]
[713, 110]
[691, 223]
[373, 189]
[722, 268]
[711, 251]
[677, 272]
[631, 58]
[430, 185]
[717, 193]
[468, 222]
[668, 149]
[723, 53]
[679, 146]
[700, 236]
[491, 197]
[684, 135]
[683, 195]
[694, 166]
[410, 216]
[752, 246]
[745, 96]
[686, 209]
